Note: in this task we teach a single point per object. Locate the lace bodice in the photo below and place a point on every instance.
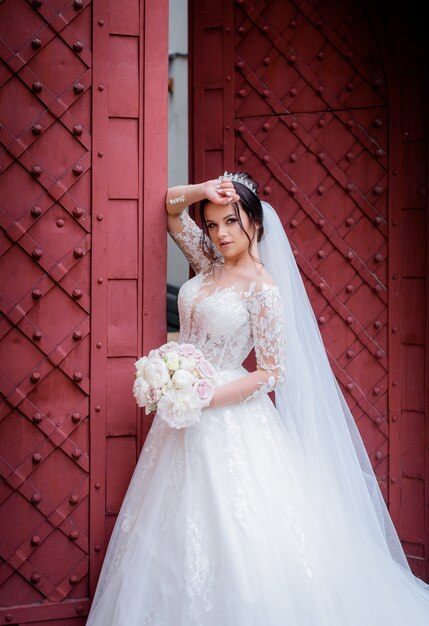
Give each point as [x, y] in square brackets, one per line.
[225, 321]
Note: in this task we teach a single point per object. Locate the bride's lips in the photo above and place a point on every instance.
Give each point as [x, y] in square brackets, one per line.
[225, 244]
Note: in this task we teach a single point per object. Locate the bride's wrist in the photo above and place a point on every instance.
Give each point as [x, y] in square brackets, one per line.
[199, 191]
[207, 188]
[211, 404]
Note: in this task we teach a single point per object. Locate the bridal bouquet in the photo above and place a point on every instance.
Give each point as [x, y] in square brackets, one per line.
[176, 381]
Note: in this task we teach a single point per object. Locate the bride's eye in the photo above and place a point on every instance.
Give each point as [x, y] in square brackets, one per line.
[231, 220]
[210, 225]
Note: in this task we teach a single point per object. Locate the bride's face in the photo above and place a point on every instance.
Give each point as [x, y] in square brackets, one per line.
[225, 230]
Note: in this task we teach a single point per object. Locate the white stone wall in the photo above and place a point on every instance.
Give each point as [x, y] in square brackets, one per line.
[177, 266]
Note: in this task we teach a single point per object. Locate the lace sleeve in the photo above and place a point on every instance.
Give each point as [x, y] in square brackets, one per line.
[266, 318]
[188, 239]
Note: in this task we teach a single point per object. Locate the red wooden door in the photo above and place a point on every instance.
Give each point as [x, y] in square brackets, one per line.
[305, 96]
[83, 161]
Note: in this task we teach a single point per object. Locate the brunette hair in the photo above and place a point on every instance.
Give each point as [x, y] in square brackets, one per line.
[252, 206]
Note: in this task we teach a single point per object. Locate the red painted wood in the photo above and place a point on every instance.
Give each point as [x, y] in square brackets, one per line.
[153, 184]
[132, 126]
[319, 118]
[99, 289]
[409, 494]
[45, 341]
[83, 160]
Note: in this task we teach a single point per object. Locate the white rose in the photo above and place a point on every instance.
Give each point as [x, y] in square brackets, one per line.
[139, 365]
[166, 387]
[179, 408]
[140, 389]
[156, 372]
[172, 361]
[188, 363]
[182, 378]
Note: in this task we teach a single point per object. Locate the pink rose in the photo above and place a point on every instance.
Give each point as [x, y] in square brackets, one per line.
[188, 350]
[153, 395]
[171, 346]
[205, 369]
[205, 390]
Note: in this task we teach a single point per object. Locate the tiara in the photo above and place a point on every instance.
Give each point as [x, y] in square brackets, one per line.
[239, 179]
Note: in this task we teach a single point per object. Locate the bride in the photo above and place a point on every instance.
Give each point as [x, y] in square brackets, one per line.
[259, 514]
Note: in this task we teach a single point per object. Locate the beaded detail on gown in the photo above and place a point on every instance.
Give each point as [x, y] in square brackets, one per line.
[215, 528]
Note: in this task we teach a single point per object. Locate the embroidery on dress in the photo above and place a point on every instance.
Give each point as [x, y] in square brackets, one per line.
[201, 576]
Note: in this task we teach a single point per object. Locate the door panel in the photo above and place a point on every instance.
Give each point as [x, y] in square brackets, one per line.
[82, 284]
[305, 96]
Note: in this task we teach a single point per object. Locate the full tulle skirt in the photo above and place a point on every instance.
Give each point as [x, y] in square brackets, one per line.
[218, 528]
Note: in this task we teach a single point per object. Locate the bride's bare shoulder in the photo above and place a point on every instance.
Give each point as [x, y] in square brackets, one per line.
[264, 278]
[254, 280]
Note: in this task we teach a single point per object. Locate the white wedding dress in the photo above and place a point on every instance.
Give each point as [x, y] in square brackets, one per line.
[216, 528]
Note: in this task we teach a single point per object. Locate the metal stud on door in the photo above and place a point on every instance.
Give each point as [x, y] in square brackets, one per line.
[45, 305]
[68, 336]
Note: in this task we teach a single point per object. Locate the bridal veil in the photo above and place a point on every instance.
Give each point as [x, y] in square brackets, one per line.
[342, 487]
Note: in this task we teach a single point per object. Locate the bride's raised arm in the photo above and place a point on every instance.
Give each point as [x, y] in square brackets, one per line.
[182, 228]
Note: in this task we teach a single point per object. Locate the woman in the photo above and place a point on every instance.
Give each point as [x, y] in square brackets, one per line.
[258, 515]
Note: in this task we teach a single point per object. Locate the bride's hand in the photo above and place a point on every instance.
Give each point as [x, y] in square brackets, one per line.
[220, 192]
